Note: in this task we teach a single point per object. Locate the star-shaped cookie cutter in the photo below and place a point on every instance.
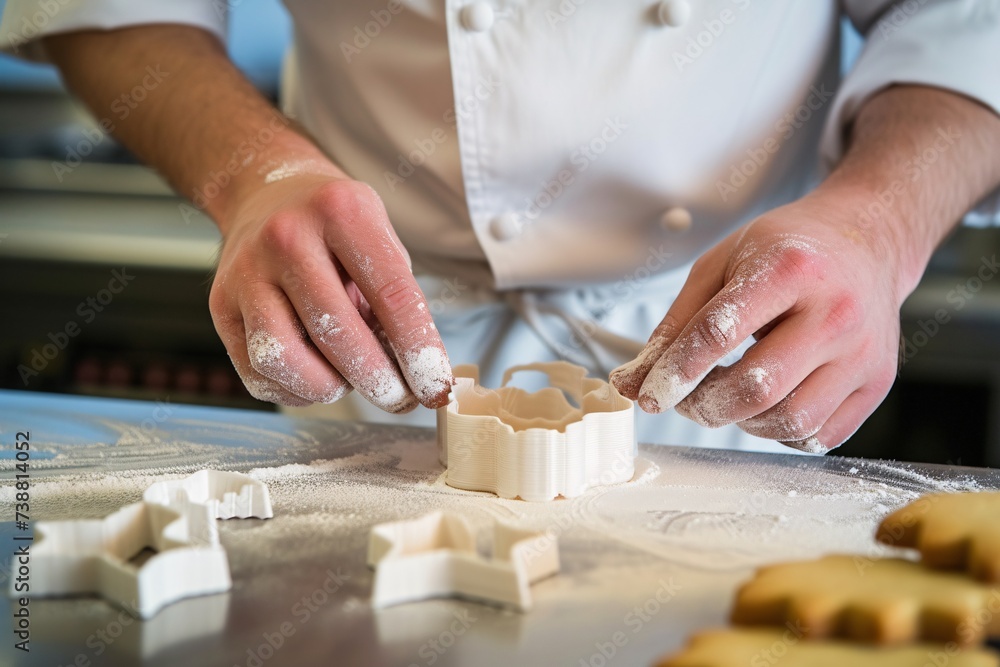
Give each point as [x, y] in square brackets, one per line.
[92, 556]
[536, 446]
[176, 519]
[435, 556]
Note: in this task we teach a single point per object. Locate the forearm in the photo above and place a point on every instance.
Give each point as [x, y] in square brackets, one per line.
[200, 123]
[920, 157]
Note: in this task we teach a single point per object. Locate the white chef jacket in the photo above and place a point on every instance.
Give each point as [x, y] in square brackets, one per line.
[548, 155]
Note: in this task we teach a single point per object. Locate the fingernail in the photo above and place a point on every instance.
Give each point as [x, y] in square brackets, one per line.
[649, 404]
[810, 445]
[409, 405]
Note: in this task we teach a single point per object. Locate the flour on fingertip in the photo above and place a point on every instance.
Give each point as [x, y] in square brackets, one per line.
[429, 372]
[386, 390]
[810, 445]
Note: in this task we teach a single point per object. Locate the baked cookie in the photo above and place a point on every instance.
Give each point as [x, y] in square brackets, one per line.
[958, 531]
[745, 647]
[885, 601]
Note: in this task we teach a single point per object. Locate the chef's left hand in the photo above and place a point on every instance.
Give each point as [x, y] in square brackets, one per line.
[821, 295]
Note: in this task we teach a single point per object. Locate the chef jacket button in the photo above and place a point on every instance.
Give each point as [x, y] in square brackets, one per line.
[674, 13]
[477, 17]
[676, 219]
[506, 226]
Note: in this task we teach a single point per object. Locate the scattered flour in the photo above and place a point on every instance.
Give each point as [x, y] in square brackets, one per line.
[699, 516]
[702, 519]
[317, 467]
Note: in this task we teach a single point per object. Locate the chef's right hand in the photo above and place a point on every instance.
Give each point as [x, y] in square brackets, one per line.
[314, 295]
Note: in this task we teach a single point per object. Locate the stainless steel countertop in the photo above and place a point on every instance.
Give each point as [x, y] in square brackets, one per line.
[621, 547]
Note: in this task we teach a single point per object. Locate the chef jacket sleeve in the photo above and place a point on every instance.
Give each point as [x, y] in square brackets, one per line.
[25, 21]
[949, 44]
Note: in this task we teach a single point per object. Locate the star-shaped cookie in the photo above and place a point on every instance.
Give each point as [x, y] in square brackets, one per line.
[957, 531]
[784, 648]
[884, 601]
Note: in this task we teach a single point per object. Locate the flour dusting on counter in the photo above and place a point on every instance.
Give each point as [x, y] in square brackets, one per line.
[696, 510]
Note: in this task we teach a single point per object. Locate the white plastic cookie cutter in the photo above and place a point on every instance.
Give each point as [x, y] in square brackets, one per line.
[435, 556]
[92, 556]
[536, 446]
[176, 519]
[228, 495]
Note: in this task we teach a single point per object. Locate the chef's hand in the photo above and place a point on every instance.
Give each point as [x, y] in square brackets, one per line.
[819, 282]
[824, 307]
[314, 295]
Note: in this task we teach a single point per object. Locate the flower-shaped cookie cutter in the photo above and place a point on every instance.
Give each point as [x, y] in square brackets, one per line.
[176, 519]
[435, 556]
[536, 446]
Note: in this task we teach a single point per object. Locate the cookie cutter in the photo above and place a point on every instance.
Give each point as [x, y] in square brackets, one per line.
[227, 494]
[536, 446]
[176, 519]
[435, 556]
[92, 557]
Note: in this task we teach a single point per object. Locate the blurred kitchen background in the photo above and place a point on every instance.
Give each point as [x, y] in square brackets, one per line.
[63, 232]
